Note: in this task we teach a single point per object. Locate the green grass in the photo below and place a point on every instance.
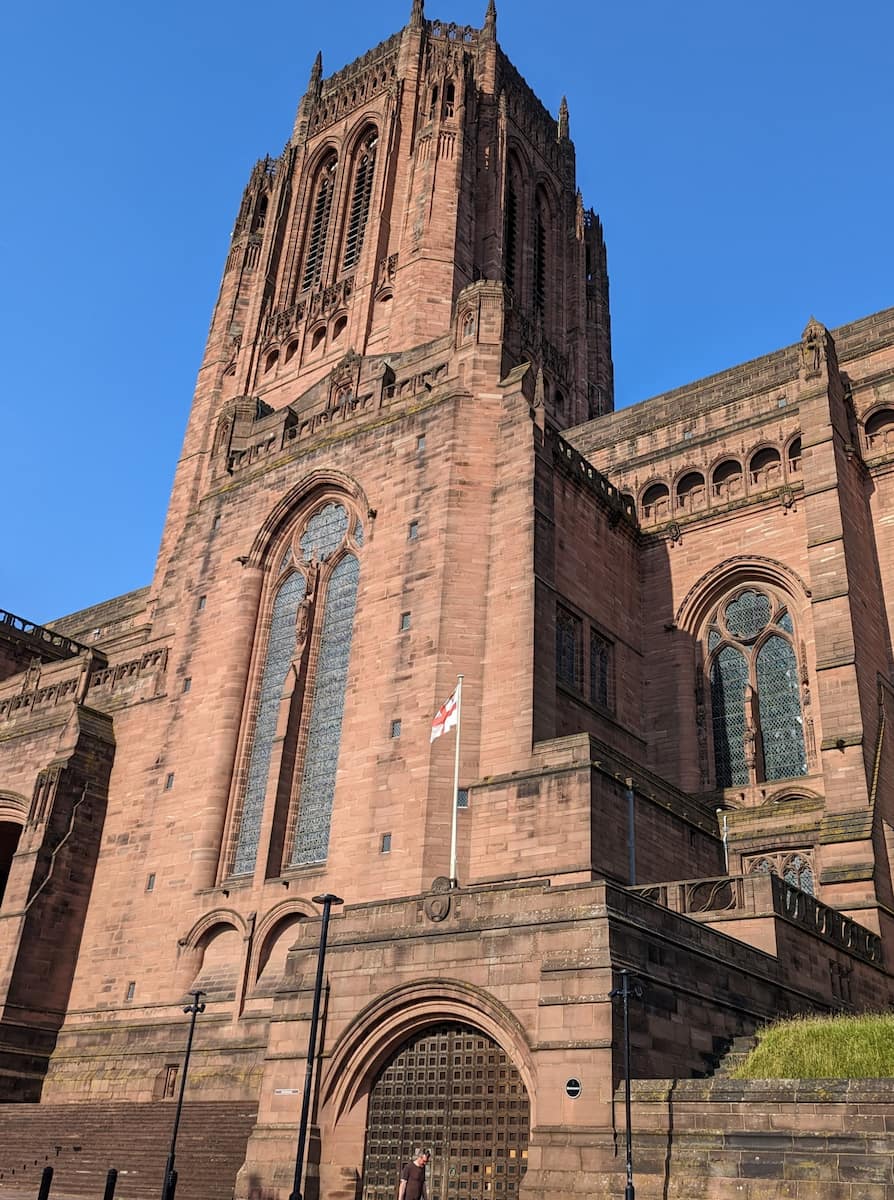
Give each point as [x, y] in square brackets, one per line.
[823, 1048]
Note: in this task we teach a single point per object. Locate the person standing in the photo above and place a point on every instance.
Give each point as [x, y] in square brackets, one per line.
[412, 1177]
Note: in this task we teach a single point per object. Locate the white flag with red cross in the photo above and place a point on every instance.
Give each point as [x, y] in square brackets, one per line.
[445, 718]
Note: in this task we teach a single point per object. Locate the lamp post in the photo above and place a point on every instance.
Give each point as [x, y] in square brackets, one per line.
[327, 900]
[169, 1186]
[629, 987]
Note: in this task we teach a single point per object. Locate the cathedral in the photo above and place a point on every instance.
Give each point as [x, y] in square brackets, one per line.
[403, 465]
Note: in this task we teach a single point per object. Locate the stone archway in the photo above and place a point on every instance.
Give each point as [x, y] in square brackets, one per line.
[453, 1089]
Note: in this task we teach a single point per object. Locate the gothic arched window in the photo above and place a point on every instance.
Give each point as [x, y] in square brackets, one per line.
[360, 198]
[296, 734]
[319, 213]
[758, 723]
[541, 226]
[510, 227]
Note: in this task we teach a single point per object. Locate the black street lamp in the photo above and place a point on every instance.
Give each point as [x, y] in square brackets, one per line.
[169, 1186]
[327, 901]
[629, 987]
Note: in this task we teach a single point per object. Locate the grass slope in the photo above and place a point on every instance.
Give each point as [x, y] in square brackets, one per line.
[823, 1048]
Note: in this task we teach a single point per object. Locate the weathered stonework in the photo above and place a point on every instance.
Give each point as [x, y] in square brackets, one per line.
[407, 394]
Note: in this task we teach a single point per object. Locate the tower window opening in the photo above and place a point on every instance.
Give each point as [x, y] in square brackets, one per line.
[319, 224]
[360, 201]
[449, 100]
[510, 235]
[540, 261]
[433, 107]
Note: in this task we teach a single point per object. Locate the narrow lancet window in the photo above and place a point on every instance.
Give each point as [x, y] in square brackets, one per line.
[280, 651]
[320, 212]
[324, 735]
[360, 200]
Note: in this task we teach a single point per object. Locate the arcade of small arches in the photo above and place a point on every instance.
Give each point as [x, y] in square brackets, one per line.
[765, 468]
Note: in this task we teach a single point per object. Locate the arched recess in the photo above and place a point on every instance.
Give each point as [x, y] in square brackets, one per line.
[879, 430]
[765, 467]
[273, 936]
[655, 502]
[213, 954]
[13, 814]
[691, 491]
[726, 479]
[391, 1019]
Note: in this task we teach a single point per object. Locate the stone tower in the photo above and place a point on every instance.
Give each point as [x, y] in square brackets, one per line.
[391, 476]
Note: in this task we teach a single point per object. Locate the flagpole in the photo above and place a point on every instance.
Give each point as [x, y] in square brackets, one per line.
[459, 716]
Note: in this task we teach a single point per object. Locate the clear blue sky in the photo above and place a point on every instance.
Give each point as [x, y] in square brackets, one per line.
[741, 159]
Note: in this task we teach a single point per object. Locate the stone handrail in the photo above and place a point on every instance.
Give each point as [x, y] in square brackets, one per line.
[764, 895]
[66, 647]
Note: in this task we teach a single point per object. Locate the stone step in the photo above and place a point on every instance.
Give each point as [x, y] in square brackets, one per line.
[82, 1141]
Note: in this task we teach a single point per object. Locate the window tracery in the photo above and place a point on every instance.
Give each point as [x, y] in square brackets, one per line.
[756, 690]
[795, 867]
[296, 732]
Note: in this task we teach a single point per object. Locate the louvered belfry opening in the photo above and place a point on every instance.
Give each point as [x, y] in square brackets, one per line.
[453, 1090]
[360, 199]
[319, 225]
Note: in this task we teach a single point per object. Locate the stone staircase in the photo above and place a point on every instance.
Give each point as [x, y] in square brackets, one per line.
[82, 1141]
[739, 1049]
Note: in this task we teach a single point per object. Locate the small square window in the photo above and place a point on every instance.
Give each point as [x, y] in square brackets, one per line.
[150, 883]
[385, 847]
[187, 683]
[215, 524]
[201, 602]
[131, 990]
[404, 621]
[395, 728]
[462, 797]
[413, 531]
[169, 781]
[420, 443]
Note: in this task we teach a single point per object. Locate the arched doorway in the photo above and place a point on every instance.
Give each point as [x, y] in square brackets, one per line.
[10, 832]
[452, 1089]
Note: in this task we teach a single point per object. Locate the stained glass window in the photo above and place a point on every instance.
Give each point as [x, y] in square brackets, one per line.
[769, 669]
[779, 704]
[796, 871]
[280, 651]
[569, 649]
[600, 669]
[311, 842]
[729, 678]
[747, 615]
[324, 533]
